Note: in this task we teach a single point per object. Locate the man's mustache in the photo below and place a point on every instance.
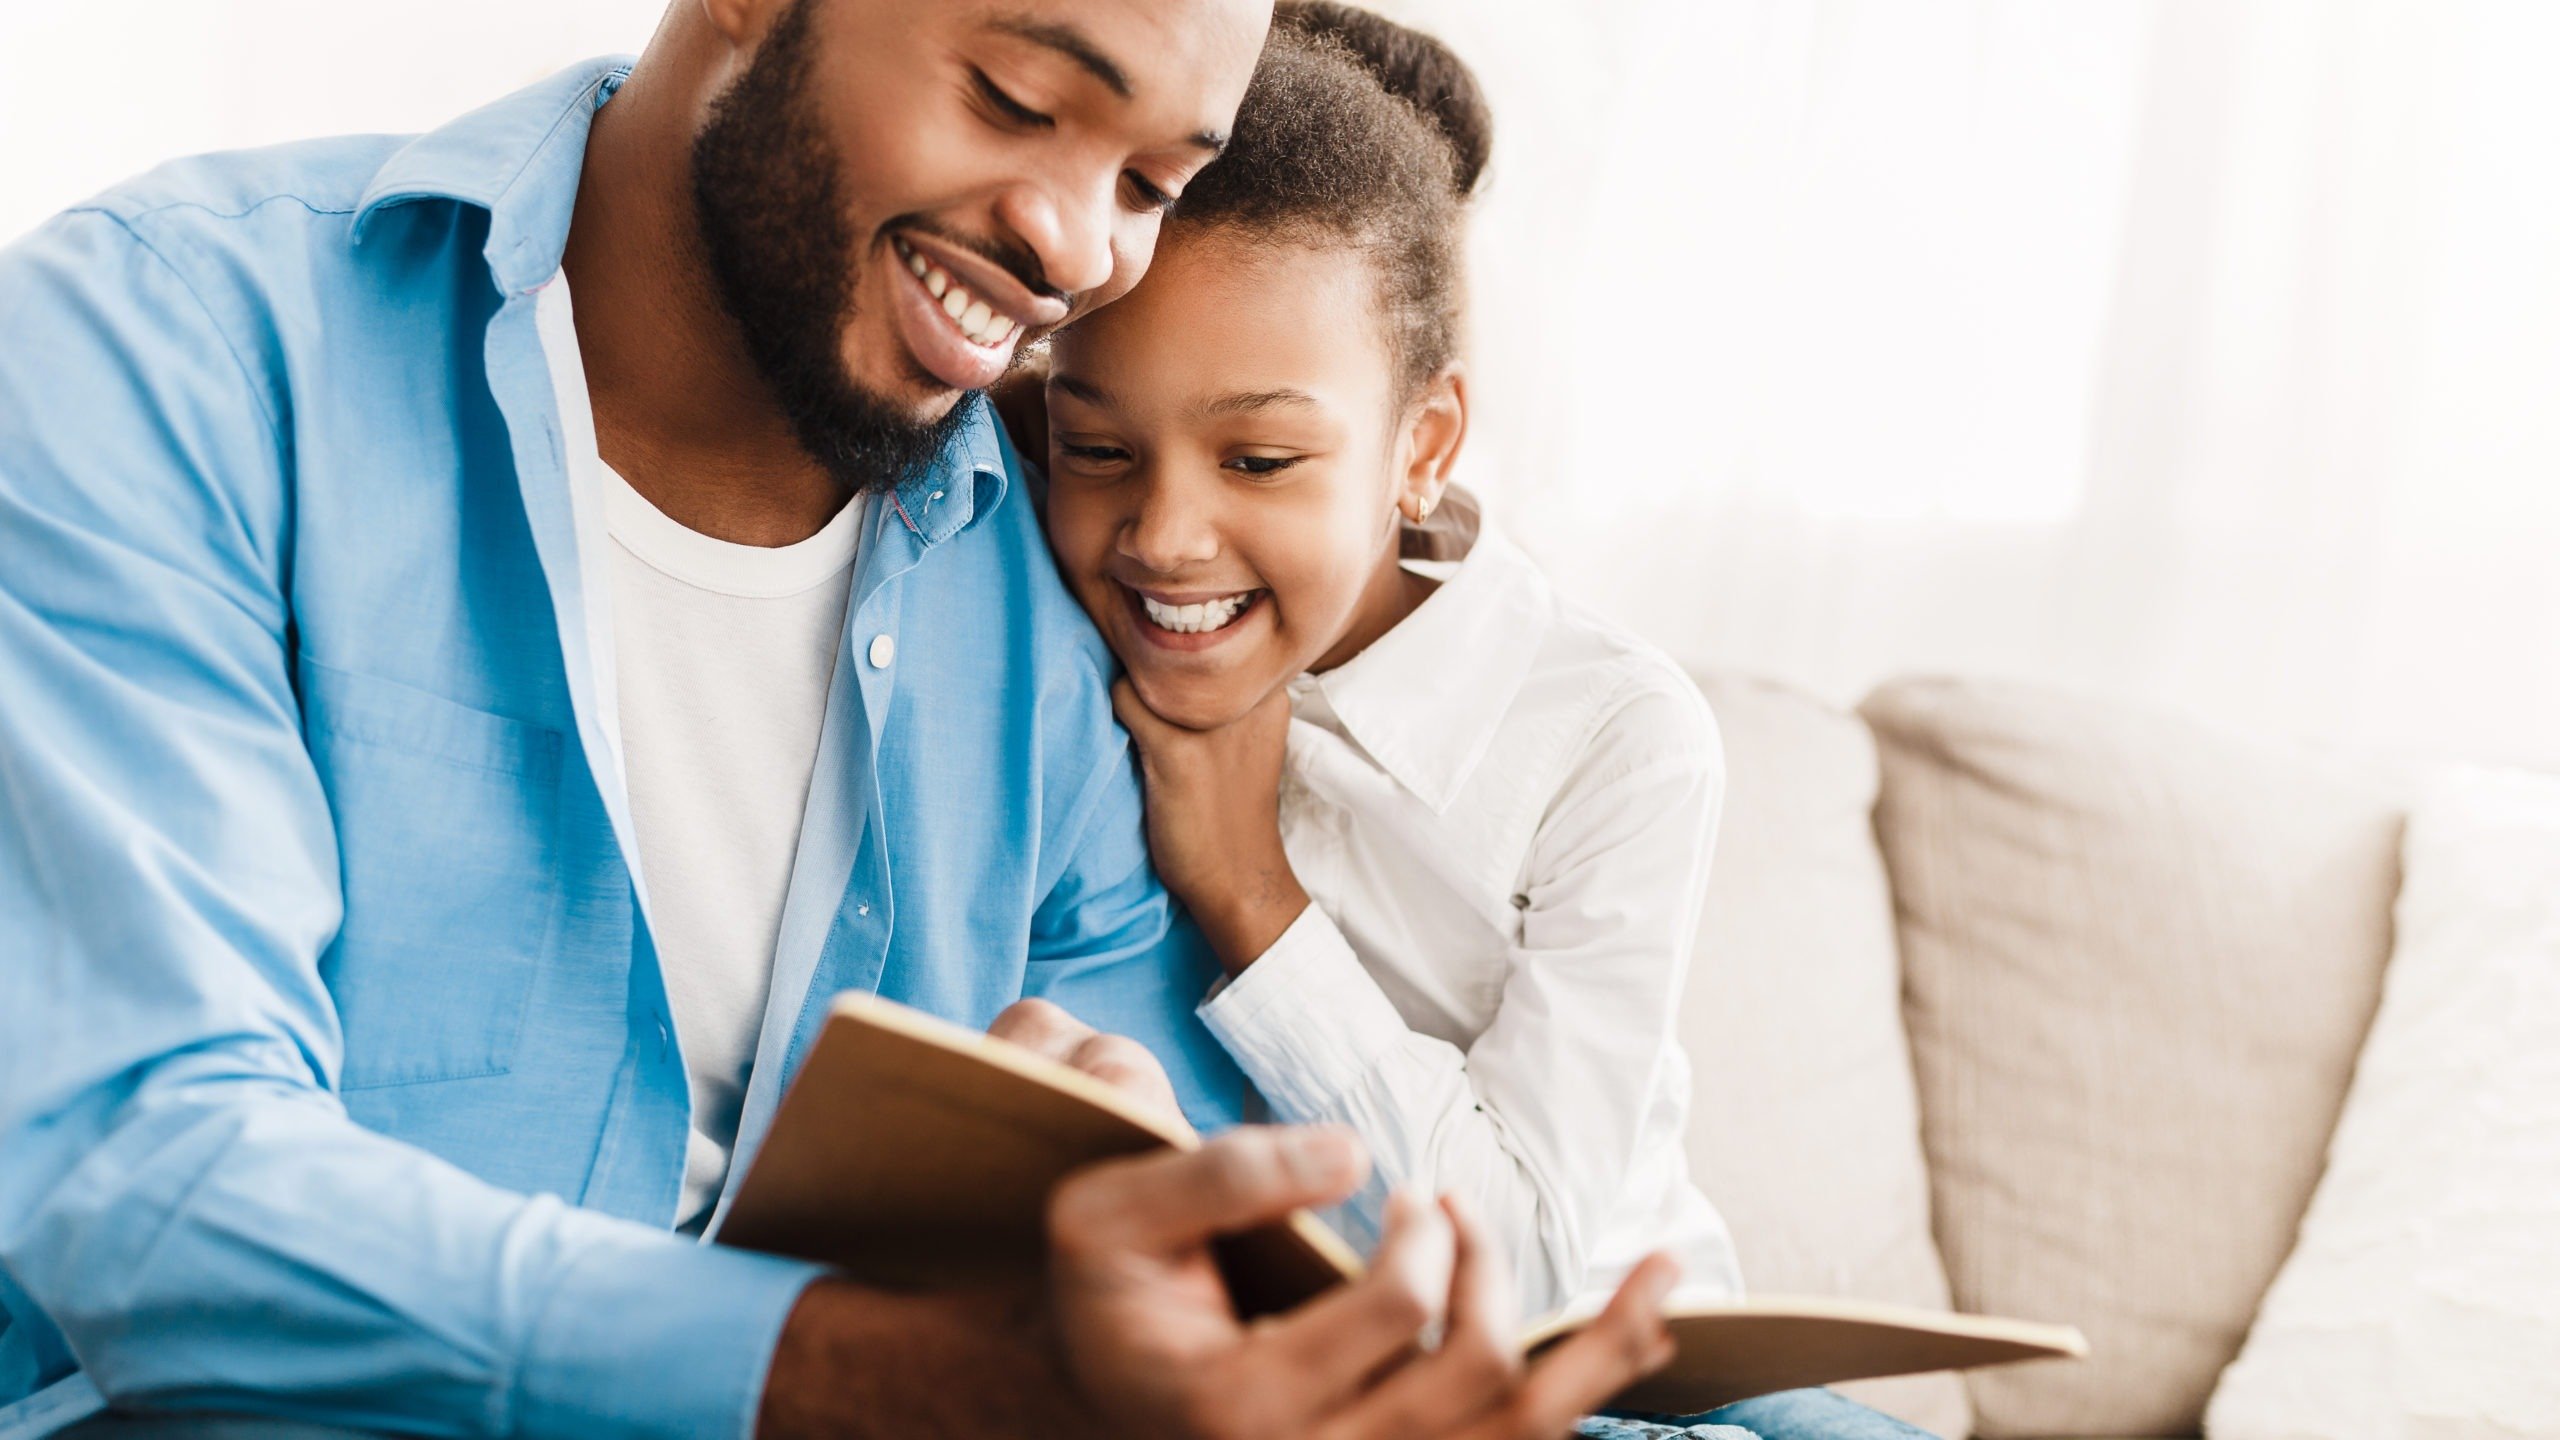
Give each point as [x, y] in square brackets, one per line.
[1016, 258]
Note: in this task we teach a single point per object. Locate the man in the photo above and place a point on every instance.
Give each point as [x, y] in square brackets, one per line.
[456, 736]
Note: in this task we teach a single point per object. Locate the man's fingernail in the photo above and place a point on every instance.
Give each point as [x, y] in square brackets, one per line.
[1664, 1277]
[1320, 1157]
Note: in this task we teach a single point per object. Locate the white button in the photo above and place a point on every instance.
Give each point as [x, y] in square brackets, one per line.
[883, 650]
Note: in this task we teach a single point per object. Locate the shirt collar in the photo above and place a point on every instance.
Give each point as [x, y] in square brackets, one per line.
[517, 158]
[1426, 698]
[971, 476]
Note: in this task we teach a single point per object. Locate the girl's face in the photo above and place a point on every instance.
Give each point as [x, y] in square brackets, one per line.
[1227, 459]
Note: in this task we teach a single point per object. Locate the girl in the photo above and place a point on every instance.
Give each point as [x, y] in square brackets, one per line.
[1448, 834]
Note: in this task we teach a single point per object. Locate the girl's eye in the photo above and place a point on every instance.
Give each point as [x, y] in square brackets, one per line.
[1151, 196]
[1263, 464]
[1014, 111]
[1093, 454]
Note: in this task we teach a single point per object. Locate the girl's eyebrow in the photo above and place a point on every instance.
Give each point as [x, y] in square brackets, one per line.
[1251, 402]
[1236, 402]
[1086, 391]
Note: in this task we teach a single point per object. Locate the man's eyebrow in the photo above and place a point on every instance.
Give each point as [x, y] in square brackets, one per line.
[1253, 402]
[1086, 391]
[1071, 42]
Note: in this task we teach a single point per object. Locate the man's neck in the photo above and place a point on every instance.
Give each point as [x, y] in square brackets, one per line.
[680, 411]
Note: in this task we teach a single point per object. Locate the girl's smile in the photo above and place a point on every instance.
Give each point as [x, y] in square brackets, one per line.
[1191, 624]
[1228, 456]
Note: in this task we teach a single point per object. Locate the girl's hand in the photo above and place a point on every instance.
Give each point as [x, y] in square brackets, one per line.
[1213, 821]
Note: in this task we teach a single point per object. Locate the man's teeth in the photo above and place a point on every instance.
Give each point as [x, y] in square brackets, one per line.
[971, 315]
[1197, 619]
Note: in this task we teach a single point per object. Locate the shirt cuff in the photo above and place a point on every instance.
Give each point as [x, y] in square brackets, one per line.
[648, 1334]
[1305, 1021]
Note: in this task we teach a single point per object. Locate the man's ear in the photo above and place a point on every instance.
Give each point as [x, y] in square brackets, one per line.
[741, 22]
[1435, 431]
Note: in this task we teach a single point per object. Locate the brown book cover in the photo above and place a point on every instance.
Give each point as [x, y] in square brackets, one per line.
[914, 1154]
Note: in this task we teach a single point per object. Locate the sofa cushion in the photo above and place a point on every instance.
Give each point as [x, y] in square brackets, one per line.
[1805, 1131]
[2139, 957]
[2423, 1298]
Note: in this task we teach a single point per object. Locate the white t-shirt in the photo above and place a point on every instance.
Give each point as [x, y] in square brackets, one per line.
[724, 654]
[716, 674]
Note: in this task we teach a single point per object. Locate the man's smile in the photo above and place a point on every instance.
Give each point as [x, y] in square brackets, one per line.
[961, 315]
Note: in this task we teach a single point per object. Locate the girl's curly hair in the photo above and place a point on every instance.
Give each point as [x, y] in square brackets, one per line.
[1362, 133]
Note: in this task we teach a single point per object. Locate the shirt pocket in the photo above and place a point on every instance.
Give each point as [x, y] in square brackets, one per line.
[448, 854]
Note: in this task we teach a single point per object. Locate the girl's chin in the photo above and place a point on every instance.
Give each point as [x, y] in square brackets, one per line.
[1198, 707]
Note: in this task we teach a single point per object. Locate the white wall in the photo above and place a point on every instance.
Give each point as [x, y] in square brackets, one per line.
[95, 90]
[2207, 355]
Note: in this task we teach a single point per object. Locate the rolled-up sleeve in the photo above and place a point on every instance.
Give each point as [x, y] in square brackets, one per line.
[185, 1206]
[1307, 1022]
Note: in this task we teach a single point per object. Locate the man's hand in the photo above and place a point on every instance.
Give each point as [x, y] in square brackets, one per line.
[1139, 1337]
[1116, 1060]
[855, 1363]
[1213, 821]
[1152, 1338]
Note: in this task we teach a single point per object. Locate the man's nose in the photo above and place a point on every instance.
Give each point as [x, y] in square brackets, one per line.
[1174, 528]
[1067, 223]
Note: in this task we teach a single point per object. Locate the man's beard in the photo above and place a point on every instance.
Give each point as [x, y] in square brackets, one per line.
[773, 227]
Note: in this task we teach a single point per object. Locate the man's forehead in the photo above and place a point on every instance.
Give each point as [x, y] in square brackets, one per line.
[1132, 47]
[1067, 39]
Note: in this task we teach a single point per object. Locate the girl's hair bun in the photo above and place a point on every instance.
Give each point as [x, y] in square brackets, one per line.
[1413, 67]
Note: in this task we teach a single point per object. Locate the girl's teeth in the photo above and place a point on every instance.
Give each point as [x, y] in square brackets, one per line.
[1196, 619]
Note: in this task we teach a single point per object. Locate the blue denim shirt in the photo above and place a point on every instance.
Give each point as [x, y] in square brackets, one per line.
[337, 1077]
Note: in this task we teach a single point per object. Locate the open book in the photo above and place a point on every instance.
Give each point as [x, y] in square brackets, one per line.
[914, 1154]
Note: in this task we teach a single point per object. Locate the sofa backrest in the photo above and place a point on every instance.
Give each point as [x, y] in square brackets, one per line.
[2139, 959]
[1805, 1129]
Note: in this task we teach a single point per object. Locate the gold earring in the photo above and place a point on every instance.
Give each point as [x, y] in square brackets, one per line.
[1422, 508]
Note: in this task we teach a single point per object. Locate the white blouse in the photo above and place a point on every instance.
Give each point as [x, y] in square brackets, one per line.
[1503, 810]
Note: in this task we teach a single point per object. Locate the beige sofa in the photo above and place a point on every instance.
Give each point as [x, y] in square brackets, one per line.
[2035, 1005]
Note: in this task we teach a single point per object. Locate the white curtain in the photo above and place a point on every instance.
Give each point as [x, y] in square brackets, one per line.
[2206, 355]
[2201, 352]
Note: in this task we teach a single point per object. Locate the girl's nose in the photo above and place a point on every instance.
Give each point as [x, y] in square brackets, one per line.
[1171, 531]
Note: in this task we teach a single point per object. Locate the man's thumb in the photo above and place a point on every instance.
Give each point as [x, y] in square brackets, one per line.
[1171, 1202]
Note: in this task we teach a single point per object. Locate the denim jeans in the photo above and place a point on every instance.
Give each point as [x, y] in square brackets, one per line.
[1788, 1415]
